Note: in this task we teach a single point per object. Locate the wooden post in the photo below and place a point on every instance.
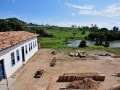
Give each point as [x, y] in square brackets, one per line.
[7, 81]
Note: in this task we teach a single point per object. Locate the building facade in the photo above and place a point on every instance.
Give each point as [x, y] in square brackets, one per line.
[16, 48]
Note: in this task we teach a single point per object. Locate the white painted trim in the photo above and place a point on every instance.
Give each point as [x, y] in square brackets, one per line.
[6, 55]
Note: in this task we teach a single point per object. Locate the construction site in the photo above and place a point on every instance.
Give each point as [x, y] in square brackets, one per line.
[68, 70]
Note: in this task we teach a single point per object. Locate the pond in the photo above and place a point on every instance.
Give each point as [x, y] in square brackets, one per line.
[77, 42]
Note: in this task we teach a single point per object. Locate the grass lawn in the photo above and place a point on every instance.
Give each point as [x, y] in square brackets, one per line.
[60, 36]
[68, 33]
[52, 43]
[114, 50]
[59, 40]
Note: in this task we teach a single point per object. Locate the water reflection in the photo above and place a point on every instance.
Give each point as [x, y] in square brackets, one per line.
[77, 42]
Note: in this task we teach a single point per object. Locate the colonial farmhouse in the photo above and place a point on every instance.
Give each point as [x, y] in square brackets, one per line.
[16, 48]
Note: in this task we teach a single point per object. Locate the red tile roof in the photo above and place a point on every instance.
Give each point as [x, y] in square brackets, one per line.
[8, 39]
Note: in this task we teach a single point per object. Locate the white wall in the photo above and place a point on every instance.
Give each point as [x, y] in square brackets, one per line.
[6, 55]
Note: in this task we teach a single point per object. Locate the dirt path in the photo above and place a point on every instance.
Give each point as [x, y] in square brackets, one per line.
[49, 84]
[25, 77]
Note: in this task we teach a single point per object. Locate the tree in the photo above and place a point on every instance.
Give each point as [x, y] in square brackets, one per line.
[82, 44]
[93, 28]
[13, 24]
[97, 41]
[83, 32]
[41, 32]
[101, 39]
[106, 44]
[115, 29]
[91, 36]
[4, 26]
[103, 30]
[73, 26]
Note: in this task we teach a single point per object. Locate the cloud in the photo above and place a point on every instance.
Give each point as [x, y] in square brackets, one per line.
[112, 10]
[90, 12]
[85, 7]
[109, 11]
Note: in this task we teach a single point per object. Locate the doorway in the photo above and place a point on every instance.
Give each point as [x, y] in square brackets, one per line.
[23, 54]
[2, 71]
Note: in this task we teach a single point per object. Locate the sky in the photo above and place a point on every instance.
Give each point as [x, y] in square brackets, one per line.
[104, 13]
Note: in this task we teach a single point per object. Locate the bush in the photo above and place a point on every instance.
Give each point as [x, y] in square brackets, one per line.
[42, 32]
[82, 44]
[83, 32]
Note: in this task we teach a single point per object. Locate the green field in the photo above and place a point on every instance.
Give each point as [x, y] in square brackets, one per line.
[61, 37]
[59, 41]
[68, 33]
[114, 50]
[51, 42]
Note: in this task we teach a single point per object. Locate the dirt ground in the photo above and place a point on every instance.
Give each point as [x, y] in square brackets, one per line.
[65, 64]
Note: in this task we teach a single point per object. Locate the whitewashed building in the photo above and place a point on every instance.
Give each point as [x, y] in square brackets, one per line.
[16, 48]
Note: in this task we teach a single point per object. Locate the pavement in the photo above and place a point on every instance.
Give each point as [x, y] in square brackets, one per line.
[6, 84]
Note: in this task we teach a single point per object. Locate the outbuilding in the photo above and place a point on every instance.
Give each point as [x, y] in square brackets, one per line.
[16, 48]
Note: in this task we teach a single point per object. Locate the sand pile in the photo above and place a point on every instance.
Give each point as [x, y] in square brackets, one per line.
[86, 83]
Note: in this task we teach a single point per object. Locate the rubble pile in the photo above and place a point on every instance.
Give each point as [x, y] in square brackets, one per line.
[86, 83]
[53, 62]
[80, 54]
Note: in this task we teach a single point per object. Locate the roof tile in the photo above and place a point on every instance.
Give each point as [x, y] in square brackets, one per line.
[8, 39]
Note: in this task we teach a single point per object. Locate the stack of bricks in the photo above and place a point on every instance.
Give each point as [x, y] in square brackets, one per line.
[53, 62]
[69, 77]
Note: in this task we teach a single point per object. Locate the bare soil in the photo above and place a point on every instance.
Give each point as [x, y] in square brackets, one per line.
[65, 64]
[86, 83]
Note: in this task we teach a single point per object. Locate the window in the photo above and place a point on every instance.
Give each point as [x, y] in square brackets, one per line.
[12, 59]
[33, 44]
[18, 55]
[29, 47]
[26, 49]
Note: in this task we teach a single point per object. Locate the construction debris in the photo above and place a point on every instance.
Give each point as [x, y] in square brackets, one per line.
[104, 54]
[69, 77]
[53, 62]
[117, 88]
[71, 54]
[115, 56]
[117, 74]
[39, 73]
[80, 54]
[86, 83]
[54, 52]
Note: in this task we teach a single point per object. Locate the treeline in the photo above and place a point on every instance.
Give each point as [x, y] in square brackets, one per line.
[103, 35]
[14, 24]
[97, 34]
